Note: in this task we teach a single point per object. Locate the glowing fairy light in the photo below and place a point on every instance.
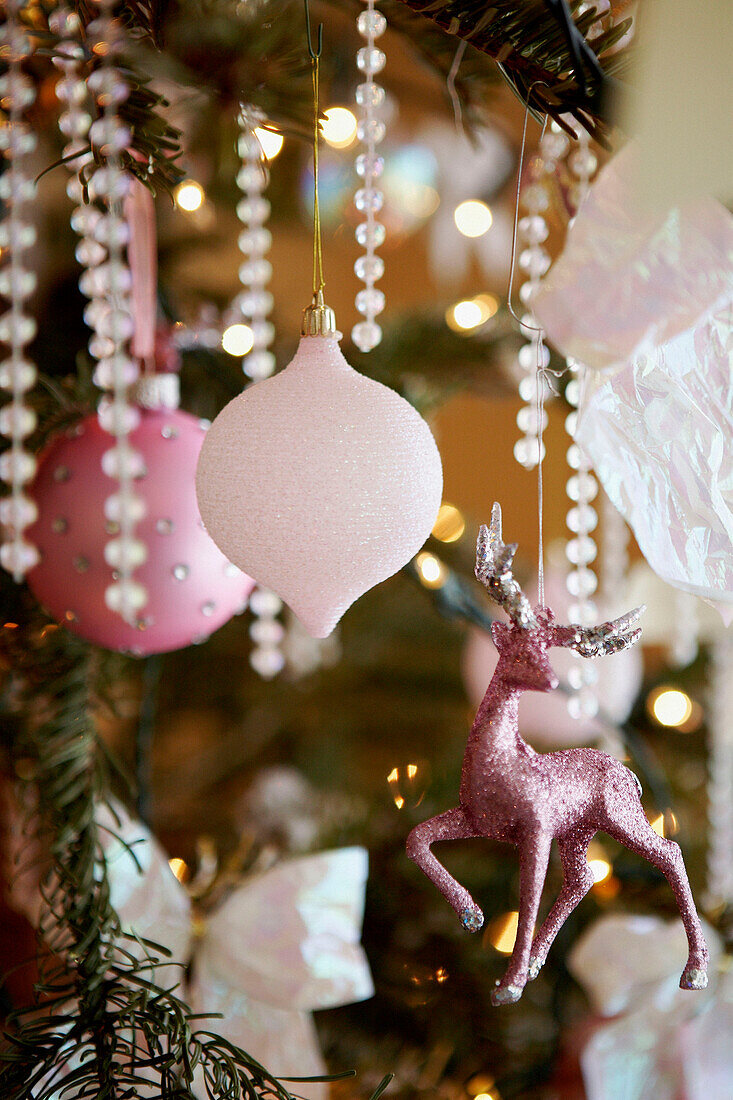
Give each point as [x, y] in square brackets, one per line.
[237, 339]
[189, 196]
[473, 218]
[431, 570]
[270, 140]
[338, 127]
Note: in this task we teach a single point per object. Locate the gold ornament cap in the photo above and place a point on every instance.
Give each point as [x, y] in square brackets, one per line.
[318, 318]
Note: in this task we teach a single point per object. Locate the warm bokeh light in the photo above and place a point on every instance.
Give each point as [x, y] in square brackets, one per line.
[270, 140]
[431, 570]
[470, 313]
[408, 784]
[480, 1086]
[665, 824]
[502, 932]
[237, 339]
[338, 127]
[450, 524]
[670, 706]
[598, 862]
[179, 867]
[189, 196]
[473, 218]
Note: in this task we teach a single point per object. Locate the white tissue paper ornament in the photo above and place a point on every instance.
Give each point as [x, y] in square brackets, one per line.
[280, 945]
[657, 1041]
[647, 303]
[323, 481]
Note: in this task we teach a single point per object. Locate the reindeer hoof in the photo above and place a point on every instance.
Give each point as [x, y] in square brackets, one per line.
[506, 994]
[535, 965]
[692, 978]
[472, 919]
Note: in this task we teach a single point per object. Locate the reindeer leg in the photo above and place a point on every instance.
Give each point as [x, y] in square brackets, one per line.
[451, 825]
[636, 834]
[534, 854]
[577, 881]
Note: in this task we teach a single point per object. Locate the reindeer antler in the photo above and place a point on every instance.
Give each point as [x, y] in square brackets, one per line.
[494, 570]
[598, 641]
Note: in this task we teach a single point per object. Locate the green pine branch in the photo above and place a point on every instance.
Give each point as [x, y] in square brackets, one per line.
[535, 54]
[96, 1000]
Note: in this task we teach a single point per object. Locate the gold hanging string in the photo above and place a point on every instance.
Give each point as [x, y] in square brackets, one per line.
[315, 55]
[318, 319]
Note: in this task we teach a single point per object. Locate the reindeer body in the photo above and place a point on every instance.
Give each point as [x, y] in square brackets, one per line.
[511, 793]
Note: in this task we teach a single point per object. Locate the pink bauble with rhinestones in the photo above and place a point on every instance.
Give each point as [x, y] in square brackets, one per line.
[192, 588]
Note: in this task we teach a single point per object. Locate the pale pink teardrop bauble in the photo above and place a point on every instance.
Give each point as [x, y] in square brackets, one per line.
[319, 482]
[192, 588]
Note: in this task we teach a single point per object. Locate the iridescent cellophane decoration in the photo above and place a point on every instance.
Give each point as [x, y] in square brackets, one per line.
[646, 302]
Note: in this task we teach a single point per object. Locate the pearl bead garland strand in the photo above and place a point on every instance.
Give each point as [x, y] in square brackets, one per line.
[582, 487]
[368, 199]
[254, 302]
[17, 283]
[534, 261]
[267, 658]
[252, 307]
[109, 313]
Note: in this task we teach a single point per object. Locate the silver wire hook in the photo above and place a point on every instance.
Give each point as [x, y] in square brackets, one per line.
[315, 54]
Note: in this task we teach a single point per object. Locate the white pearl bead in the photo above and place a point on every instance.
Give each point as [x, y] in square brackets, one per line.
[581, 551]
[122, 462]
[366, 335]
[368, 268]
[265, 603]
[126, 597]
[366, 199]
[582, 518]
[17, 283]
[125, 553]
[371, 24]
[371, 130]
[266, 632]
[18, 557]
[527, 420]
[17, 467]
[370, 235]
[369, 164]
[369, 59]
[581, 582]
[18, 512]
[582, 487]
[17, 421]
[17, 329]
[267, 662]
[18, 375]
[17, 235]
[370, 301]
[369, 95]
[124, 505]
[259, 364]
[117, 417]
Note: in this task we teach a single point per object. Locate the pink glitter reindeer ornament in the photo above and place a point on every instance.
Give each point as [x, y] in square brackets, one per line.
[511, 793]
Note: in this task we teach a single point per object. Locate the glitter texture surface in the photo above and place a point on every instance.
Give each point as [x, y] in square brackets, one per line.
[323, 481]
[511, 793]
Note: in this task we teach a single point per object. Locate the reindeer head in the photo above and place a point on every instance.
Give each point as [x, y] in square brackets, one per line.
[523, 643]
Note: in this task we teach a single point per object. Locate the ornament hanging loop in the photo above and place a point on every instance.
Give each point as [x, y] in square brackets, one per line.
[314, 54]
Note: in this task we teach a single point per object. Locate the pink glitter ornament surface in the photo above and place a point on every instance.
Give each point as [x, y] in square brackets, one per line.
[192, 588]
[511, 793]
[319, 482]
